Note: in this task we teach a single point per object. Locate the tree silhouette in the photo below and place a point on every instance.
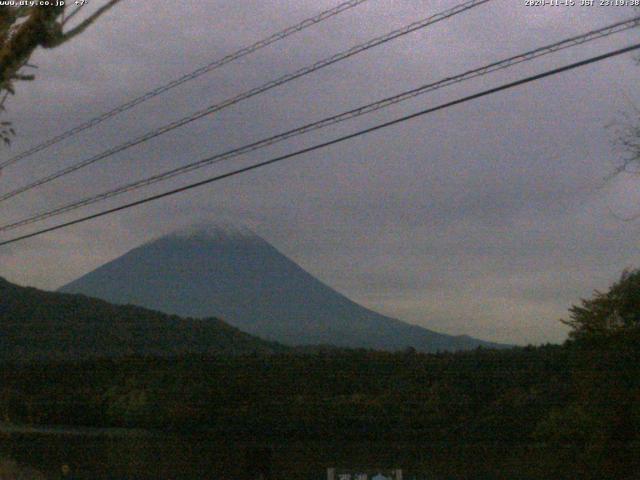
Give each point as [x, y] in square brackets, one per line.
[614, 312]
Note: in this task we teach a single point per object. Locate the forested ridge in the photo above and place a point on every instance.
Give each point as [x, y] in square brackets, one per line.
[36, 325]
[580, 401]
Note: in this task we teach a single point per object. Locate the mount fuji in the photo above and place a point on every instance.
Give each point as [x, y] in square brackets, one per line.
[235, 275]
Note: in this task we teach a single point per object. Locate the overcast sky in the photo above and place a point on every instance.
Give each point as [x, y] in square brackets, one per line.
[490, 218]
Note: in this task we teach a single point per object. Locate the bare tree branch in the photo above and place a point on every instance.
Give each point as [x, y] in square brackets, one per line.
[64, 37]
[72, 14]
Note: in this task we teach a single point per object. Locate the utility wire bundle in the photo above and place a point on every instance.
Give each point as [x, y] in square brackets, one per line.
[309, 22]
[353, 113]
[249, 94]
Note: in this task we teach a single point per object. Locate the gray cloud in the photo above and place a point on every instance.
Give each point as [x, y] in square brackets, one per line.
[487, 219]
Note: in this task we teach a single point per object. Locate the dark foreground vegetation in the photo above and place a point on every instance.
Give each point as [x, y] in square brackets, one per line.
[579, 401]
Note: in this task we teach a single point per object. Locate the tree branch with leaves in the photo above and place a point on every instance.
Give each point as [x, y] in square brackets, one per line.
[612, 313]
[23, 29]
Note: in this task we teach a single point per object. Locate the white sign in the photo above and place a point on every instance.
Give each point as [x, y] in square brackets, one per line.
[363, 474]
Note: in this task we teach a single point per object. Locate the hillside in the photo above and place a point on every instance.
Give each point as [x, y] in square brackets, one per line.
[237, 276]
[39, 325]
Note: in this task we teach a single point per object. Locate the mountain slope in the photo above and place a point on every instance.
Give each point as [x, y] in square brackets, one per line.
[238, 276]
[38, 325]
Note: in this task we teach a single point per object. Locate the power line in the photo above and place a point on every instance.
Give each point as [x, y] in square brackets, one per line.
[250, 93]
[371, 107]
[186, 78]
[319, 146]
